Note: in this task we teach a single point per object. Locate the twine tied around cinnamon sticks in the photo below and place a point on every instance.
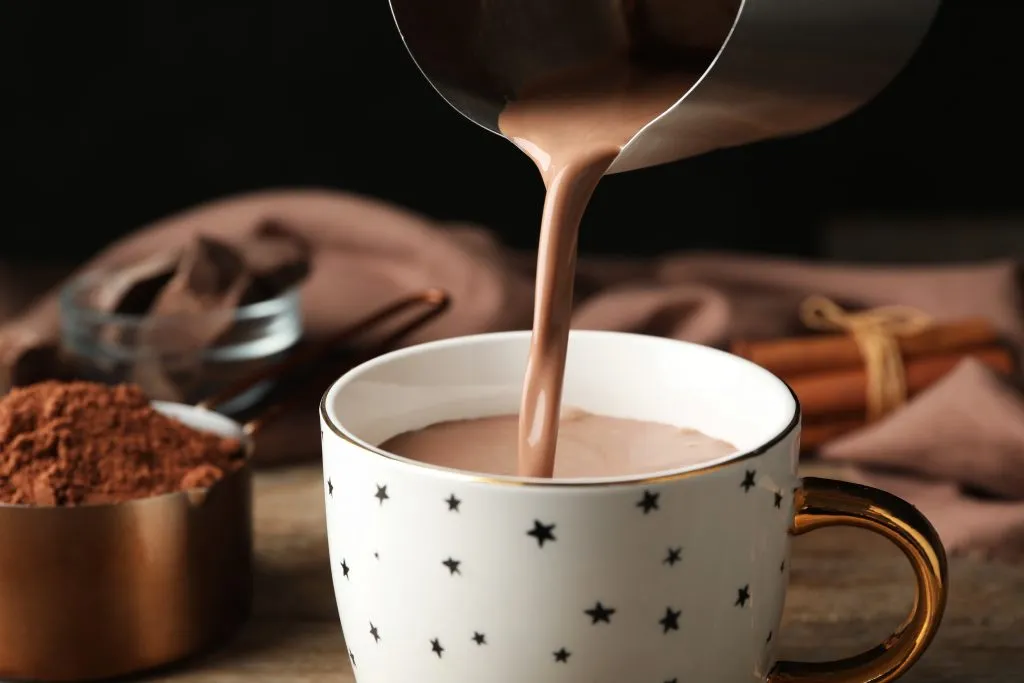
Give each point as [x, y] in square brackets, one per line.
[828, 372]
[877, 332]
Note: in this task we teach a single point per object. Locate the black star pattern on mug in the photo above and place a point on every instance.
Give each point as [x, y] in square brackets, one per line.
[599, 613]
[748, 480]
[778, 500]
[742, 596]
[542, 532]
[344, 569]
[376, 555]
[374, 633]
[453, 503]
[670, 622]
[330, 488]
[453, 566]
[479, 638]
[674, 555]
[382, 493]
[769, 639]
[435, 646]
[352, 658]
[562, 655]
[649, 501]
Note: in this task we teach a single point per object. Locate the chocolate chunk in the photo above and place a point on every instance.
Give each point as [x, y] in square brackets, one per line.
[278, 260]
[206, 289]
[211, 276]
[202, 295]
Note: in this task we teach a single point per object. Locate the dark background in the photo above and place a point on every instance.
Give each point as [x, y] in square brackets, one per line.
[118, 113]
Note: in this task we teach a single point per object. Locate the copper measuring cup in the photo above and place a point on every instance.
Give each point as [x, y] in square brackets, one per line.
[99, 591]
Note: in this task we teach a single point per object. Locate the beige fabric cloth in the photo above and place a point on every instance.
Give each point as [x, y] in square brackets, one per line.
[964, 438]
[967, 432]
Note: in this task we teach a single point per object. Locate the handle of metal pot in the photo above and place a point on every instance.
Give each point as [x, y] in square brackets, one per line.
[297, 367]
[825, 502]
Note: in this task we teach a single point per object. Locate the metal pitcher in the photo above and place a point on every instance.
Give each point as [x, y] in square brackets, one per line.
[773, 67]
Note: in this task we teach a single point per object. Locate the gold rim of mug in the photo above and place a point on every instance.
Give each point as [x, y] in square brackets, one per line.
[563, 483]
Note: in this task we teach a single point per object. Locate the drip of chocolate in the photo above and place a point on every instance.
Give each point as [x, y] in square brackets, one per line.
[573, 127]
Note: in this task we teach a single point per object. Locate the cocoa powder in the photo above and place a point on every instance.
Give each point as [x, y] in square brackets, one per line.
[78, 443]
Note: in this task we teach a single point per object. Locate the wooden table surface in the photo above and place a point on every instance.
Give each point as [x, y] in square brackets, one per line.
[849, 590]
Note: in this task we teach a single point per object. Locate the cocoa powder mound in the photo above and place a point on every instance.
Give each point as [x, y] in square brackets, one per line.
[79, 443]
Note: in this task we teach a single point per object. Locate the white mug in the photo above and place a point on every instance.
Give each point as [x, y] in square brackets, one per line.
[446, 576]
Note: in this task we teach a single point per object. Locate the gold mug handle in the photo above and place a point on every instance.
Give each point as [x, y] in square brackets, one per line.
[826, 502]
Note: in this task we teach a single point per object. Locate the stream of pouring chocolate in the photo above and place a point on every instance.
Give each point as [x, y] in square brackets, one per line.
[572, 128]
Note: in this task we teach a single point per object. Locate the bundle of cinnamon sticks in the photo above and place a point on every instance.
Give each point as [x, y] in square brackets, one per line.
[828, 373]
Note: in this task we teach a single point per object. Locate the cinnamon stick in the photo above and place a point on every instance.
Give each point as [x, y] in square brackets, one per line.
[843, 391]
[817, 353]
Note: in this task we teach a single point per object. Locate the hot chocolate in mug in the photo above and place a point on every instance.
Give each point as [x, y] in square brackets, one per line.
[446, 576]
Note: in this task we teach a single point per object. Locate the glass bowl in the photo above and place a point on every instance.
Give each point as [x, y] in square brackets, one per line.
[158, 353]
